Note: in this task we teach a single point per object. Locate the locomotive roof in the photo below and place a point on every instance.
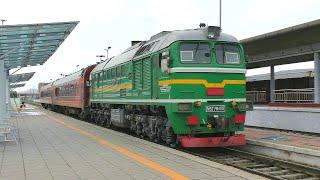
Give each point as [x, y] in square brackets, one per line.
[161, 41]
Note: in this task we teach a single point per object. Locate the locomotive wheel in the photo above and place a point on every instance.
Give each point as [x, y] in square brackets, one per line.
[65, 111]
[139, 130]
[96, 117]
[101, 121]
[84, 116]
[108, 123]
[171, 138]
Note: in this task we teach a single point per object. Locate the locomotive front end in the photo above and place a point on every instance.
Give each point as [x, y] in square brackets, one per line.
[204, 80]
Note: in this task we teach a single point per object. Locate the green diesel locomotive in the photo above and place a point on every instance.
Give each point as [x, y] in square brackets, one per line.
[182, 87]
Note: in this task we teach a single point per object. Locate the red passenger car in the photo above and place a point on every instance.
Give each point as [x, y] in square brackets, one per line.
[70, 94]
[45, 95]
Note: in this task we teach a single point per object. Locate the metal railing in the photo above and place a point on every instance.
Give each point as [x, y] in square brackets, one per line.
[294, 95]
[257, 96]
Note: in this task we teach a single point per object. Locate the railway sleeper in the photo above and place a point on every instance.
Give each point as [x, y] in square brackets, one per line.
[246, 164]
[257, 166]
[280, 172]
[294, 176]
[310, 178]
[221, 157]
[268, 169]
[231, 160]
[242, 162]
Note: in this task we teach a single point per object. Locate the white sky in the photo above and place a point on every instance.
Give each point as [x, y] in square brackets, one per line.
[115, 23]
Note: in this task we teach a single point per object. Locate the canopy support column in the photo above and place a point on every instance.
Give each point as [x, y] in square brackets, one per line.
[316, 78]
[3, 88]
[272, 83]
[8, 102]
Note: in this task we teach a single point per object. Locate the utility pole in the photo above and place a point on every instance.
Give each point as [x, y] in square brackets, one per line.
[220, 9]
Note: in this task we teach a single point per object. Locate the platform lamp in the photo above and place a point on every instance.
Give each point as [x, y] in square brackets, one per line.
[2, 21]
[107, 51]
[100, 56]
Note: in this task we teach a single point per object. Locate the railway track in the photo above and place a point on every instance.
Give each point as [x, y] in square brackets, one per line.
[261, 165]
[309, 134]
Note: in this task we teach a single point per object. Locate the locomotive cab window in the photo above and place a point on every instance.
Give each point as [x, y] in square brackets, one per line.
[227, 54]
[123, 70]
[196, 53]
[98, 80]
[113, 73]
[118, 71]
[104, 76]
[108, 74]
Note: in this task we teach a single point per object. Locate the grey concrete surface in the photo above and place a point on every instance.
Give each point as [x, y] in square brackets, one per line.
[49, 150]
[296, 119]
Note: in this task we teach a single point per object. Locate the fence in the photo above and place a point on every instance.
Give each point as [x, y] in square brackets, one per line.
[294, 95]
[257, 96]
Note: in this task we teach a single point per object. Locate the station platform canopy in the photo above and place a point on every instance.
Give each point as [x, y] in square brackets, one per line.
[20, 77]
[13, 86]
[287, 74]
[290, 45]
[31, 44]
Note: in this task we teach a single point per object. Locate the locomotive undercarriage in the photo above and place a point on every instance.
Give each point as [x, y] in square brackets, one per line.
[144, 121]
[148, 122]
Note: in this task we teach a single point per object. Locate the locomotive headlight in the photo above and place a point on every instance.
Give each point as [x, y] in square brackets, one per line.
[198, 103]
[234, 104]
[184, 106]
[213, 32]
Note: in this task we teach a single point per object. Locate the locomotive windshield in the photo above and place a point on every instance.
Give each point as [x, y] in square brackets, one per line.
[198, 53]
[227, 54]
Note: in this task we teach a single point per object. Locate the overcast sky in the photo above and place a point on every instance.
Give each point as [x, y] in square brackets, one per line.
[115, 23]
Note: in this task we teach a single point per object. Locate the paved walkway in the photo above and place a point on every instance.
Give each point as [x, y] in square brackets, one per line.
[54, 146]
[283, 137]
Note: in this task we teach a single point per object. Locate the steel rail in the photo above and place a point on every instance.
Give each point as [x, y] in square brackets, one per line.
[258, 164]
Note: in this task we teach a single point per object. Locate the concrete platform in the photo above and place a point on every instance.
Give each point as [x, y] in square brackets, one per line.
[290, 146]
[304, 119]
[54, 146]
